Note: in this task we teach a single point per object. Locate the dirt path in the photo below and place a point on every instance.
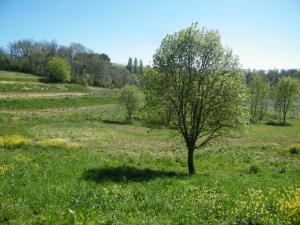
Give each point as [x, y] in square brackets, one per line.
[57, 111]
[5, 95]
[17, 82]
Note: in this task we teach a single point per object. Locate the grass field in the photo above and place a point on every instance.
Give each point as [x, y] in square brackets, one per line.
[73, 160]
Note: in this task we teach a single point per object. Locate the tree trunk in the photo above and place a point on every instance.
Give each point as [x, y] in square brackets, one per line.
[129, 116]
[191, 160]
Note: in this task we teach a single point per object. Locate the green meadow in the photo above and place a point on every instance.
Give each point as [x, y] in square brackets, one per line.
[70, 159]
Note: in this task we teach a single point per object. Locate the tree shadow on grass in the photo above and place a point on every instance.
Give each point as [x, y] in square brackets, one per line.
[277, 123]
[121, 122]
[115, 122]
[127, 174]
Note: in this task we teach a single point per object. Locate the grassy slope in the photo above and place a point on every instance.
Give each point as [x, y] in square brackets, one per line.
[40, 87]
[19, 77]
[130, 174]
[44, 103]
[21, 82]
[16, 83]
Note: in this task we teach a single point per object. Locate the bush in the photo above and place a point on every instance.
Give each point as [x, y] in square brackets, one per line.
[59, 70]
[294, 150]
[253, 169]
[132, 97]
[282, 170]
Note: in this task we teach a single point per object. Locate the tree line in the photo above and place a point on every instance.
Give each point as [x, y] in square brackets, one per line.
[275, 99]
[272, 75]
[86, 66]
[135, 66]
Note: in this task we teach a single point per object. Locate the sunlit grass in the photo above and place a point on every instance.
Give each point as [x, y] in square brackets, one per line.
[87, 165]
[20, 77]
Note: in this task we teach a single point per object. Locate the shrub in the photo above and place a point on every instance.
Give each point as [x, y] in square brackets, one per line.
[294, 150]
[253, 169]
[59, 70]
[282, 170]
[132, 97]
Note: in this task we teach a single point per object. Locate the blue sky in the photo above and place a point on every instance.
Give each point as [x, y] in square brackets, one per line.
[265, 34]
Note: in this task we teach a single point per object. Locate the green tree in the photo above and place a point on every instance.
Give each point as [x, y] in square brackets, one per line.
[286, 92]
[135, 65]
[204, 86]
[156, 111]
[132, 97]
[59, 70]
[129, 66]
[141, 66]
[259, 89]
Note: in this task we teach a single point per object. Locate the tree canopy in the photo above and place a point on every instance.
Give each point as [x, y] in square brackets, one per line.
[203, 85]
[59, 70]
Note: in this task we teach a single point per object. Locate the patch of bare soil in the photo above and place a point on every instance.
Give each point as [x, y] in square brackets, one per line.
[56, 111]
[39, 94]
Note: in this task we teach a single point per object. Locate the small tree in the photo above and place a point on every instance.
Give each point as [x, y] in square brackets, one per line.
[203, 84]
[132, 97]
[286, 91]
[59, 70]
[141, 66]
[259, 89]
[135, 65]
[129, 66]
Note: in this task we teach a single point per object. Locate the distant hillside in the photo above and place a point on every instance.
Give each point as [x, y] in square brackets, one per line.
[27, 91]
[87, 67]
